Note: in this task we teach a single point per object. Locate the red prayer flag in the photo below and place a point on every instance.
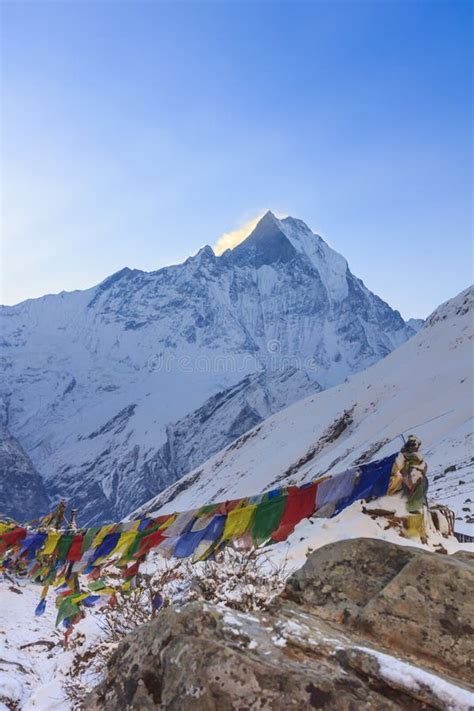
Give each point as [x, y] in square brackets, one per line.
[149, 542]
[160, 520]
[300, 504]
[11, 538]
[131, 571]
[75, 551]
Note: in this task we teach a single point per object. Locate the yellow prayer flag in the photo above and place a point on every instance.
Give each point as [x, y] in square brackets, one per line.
[238, 521]
[168, 522]
[51, 542]
[102, 591]
[79, 597]
[6, 527]
[124, 542]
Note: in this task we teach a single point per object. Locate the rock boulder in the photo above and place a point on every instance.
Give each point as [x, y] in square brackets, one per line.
[409, 600]
[323, 644]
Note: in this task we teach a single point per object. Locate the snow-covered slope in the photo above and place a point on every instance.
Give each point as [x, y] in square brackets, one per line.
[189, 442]
[425, 386]
[93, 378]
[31, 652]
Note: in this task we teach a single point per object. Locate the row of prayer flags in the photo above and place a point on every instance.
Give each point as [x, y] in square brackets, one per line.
[53, 557]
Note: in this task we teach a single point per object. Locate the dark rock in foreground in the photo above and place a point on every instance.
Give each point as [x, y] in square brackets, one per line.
[318, 646]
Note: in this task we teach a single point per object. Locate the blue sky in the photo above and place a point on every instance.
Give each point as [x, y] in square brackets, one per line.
[135, 132]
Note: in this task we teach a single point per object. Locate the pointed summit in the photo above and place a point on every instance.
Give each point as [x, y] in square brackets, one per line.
[206, 254]
[267, 217]
[266, 244]
[267, 223]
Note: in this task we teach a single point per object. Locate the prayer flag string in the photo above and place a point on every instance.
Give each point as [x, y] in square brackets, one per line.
[57, 558]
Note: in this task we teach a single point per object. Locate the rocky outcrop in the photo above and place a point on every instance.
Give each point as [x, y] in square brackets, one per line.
[351, 631]
[417, 603]
[203, 658]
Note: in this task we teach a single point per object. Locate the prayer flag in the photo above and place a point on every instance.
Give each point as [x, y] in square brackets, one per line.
[300, 504]
[75, 551]
[238, 522]
[267, 518]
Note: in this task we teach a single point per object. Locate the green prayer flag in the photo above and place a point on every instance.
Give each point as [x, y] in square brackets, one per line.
[64, 545]
[51, 576]
[417, 497]
[67, 608]
[267, 518]
[207, 509]
[96, 585]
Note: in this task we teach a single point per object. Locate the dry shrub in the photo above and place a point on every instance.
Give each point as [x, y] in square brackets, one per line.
[244, 581]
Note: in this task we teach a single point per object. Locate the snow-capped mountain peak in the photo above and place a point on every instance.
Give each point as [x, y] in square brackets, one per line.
[94, 378]
[274, 240]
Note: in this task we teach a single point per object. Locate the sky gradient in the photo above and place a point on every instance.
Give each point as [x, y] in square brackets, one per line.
[133, 133]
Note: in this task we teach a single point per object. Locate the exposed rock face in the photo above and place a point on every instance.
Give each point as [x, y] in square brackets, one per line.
[207, 658]
[198, 658]
[22, 492]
